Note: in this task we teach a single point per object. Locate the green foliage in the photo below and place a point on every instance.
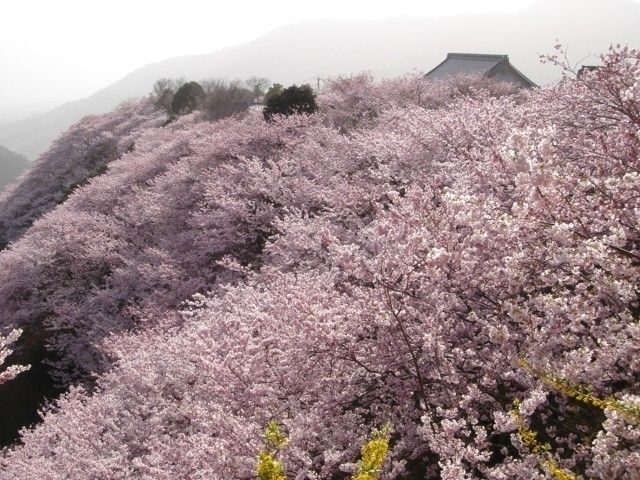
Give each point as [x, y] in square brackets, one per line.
[291, 101]
[188, 97]
[274, 90]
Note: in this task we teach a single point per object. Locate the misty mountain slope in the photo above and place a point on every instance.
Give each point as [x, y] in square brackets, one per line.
[11, 166]
[301, 52]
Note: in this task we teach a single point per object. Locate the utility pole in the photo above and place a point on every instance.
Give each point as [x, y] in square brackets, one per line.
[317, 79]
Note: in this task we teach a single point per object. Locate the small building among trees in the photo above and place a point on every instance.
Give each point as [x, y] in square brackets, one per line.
[584, 69]
[496, 67]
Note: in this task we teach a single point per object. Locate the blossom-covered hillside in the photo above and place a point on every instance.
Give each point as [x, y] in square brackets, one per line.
[459, 261]
[81, 153]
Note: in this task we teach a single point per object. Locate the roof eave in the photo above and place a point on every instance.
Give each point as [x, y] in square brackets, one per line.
[521, 75]
[436, 67]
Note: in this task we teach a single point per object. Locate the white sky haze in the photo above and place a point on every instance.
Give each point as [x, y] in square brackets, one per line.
[59, 50]
[65, 49]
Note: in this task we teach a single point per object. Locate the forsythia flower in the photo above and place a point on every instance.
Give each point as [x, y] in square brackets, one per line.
[628, 410]
[269, 468]
[274, 436]
[530, 440]
[374, 452]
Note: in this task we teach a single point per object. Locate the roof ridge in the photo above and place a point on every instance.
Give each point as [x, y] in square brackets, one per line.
[477, 55]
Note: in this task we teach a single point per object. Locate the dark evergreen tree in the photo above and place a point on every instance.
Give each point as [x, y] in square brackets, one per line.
[274, 90]
[188, 97]
[292, 100]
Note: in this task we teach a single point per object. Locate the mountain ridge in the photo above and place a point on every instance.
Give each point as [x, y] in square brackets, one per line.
[302, 52]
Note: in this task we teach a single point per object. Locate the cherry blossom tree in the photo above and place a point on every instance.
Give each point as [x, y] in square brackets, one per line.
[460, 261]
[11, 371]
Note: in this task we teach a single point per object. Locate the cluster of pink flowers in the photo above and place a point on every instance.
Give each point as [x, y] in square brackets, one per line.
[390, 259]
[12, 371]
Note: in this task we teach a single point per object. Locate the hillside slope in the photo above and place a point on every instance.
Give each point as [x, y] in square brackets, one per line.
[301, 52]
[82, 152]
[459, 262]
[11, 166]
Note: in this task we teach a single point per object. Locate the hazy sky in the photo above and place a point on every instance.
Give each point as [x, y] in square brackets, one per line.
[56, 50]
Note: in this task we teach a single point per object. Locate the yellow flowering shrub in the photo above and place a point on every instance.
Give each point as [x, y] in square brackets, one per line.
[626, 410]
[274, 437]
[374, 452]
[629, 411]
[269, 467]
[530, 440]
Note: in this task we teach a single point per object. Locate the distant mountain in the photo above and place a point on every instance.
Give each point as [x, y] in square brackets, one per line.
[11, 166]
[15, 112]
[304, 51]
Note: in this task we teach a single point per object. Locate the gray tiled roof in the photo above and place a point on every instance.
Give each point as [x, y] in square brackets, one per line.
[479, 64]
[466, 63]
